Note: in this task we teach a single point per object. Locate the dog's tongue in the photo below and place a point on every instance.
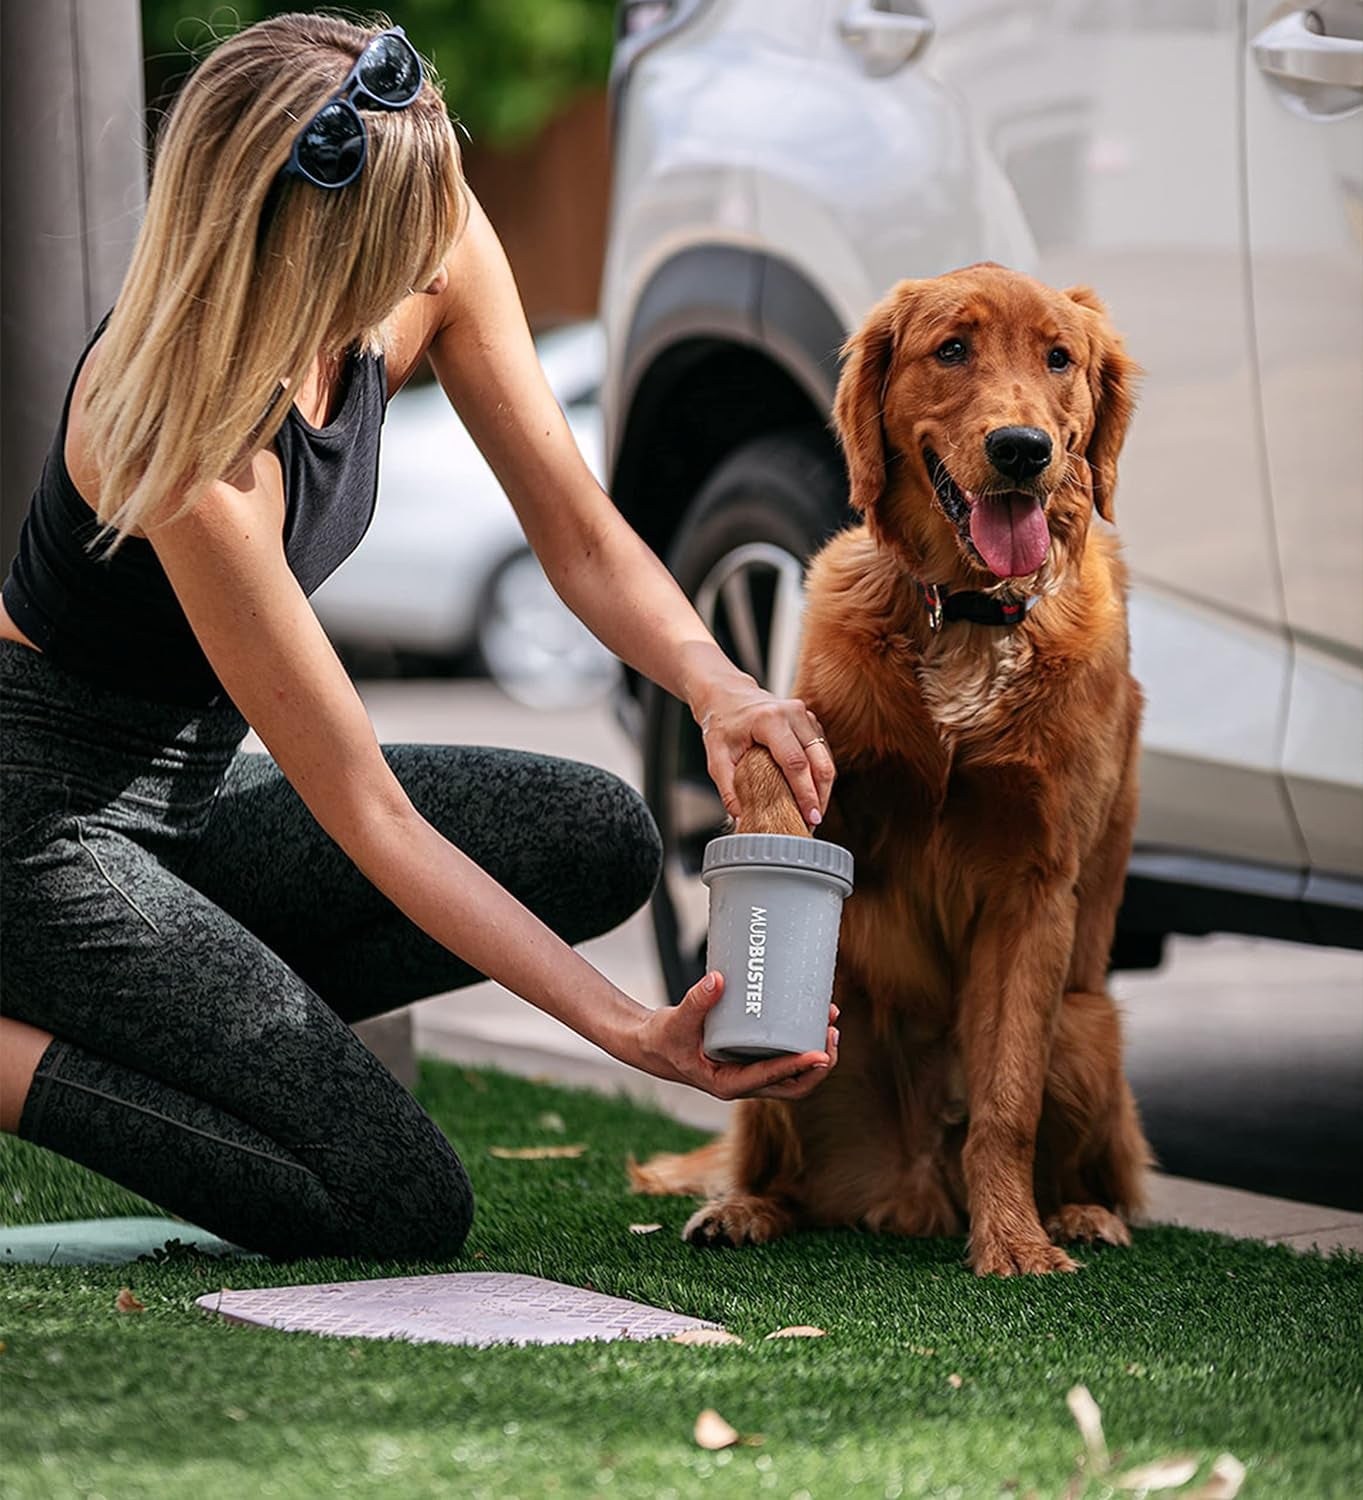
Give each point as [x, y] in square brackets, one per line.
[1009, 532]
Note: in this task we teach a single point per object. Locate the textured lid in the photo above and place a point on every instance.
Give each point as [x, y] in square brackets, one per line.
[785, 850]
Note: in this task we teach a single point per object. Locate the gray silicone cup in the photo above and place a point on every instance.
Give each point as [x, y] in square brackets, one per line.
[775, 909]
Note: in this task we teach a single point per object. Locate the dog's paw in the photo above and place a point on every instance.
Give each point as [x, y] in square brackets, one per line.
[729, 1222]
[1017, 1255]
[1087, 1222]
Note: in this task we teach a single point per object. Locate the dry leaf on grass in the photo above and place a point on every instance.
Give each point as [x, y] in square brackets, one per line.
[643, 1228]
[550, 1120]
[798, 1331]
[1162, 1474]
[955, 1381]
[706, 1336]
[1224, 1481]
[125, 1302]
[712, 1431]
[1084, 1410]
[534, 1153]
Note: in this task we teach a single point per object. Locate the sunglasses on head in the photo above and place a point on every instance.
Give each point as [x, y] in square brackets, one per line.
[331, 148]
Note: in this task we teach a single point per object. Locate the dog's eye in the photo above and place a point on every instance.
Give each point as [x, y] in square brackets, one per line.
[952, 352]
[1058, 359]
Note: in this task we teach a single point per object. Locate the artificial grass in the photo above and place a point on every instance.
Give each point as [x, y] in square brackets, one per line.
[1189, 1342]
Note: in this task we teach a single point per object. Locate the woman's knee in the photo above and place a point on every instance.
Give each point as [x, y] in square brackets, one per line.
[631, 850]
[425, 1215]
[609, 862]
[437, 1228]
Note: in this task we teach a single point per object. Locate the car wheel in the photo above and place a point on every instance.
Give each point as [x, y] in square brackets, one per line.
[535, 649]
[740, 555]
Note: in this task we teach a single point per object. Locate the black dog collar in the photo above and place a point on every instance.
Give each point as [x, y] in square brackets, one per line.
[979, 609]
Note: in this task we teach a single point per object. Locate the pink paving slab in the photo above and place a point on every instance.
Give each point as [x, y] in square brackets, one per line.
[459, 1307]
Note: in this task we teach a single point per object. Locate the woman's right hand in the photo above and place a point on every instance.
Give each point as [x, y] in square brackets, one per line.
[668, 1043]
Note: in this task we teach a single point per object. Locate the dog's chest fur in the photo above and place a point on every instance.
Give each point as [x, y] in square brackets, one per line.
[967, 679]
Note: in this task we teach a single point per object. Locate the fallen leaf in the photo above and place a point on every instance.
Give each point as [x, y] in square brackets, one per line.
[534, 1153]
[919, 1349]
[476, 1083]
[125, 1302]
[712, 1431]
[1224, 1481]
[955, 1381]
[234, 1413]
[1162, 1474]
[798, 1331]
[706, 1336]
[1089, 1419]
[550, 1120]
[751, 1440]
[643, 1228]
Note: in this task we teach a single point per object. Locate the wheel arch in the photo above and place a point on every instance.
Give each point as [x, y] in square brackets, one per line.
[726, 344]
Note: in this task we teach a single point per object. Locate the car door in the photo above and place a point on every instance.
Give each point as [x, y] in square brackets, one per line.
[1115, 126]
[1303, 92]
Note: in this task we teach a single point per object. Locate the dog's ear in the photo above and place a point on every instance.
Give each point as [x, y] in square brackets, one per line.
[859, 403]
[1112, 378]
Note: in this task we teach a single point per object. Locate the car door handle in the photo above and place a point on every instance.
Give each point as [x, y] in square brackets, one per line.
[884, 39]
[1294, 50]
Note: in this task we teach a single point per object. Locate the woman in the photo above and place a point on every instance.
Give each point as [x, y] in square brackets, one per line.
[190, 928]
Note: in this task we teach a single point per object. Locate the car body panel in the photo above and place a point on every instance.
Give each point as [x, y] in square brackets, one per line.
[1304, 202]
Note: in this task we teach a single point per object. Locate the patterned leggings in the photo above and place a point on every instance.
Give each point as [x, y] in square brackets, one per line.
[196, 945]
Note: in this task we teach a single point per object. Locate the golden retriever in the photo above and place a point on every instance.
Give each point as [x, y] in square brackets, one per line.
[987, 788]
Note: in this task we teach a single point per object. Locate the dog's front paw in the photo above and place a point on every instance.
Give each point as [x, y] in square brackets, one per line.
[1087, 1222]
[728, 1222]
[1016, 1254]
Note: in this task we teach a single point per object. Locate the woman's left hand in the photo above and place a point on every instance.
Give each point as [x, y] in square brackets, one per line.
[734, 714]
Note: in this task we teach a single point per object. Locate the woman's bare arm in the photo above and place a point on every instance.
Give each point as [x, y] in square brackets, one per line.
[483, 354]
[225, 560]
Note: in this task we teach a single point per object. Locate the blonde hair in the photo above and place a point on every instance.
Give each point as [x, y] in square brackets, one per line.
[222, 313]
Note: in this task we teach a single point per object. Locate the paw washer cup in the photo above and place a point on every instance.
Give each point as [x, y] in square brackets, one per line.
[775, 908]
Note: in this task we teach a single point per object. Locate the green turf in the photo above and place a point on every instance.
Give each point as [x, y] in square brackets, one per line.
[1189, 1342]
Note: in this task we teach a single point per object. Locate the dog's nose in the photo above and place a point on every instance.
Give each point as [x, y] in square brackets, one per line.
[1018, 452]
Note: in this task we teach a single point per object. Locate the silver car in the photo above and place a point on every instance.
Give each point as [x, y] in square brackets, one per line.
[1200, 163]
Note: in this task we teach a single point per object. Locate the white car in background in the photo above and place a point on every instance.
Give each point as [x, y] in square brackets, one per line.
[778, 166]
[444, 571]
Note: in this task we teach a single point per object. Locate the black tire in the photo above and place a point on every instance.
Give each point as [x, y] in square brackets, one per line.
[748, 535]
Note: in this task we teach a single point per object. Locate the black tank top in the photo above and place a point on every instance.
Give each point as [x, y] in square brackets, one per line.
[116, 619]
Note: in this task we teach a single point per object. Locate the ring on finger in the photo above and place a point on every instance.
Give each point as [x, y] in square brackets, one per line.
[819, 740]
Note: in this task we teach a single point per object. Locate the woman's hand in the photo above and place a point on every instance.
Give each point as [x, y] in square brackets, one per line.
[734, 714]
[668, 1044]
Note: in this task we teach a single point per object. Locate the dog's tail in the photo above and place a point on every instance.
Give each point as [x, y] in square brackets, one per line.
[702, 1173]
